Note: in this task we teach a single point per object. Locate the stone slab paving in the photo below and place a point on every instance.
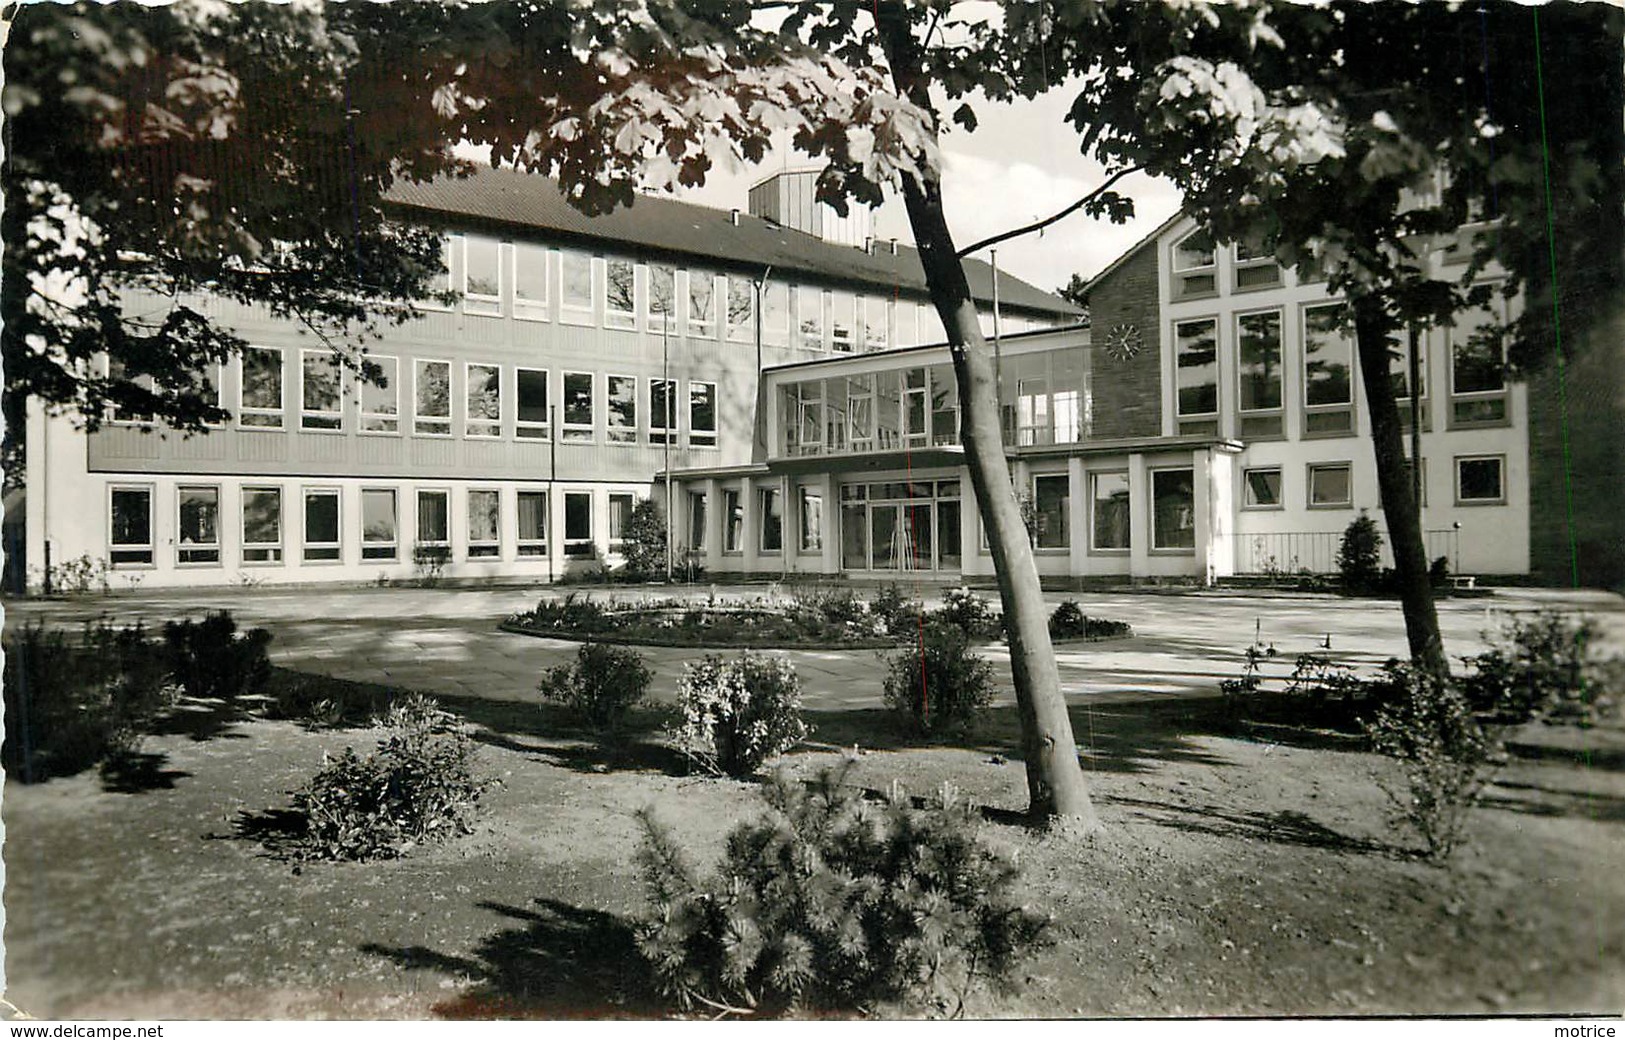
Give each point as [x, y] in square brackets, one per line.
[446, 640]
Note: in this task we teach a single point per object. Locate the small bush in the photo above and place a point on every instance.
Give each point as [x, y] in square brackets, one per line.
[80, 576]
[835, 606]
[602, 686]
[829, 903]
[209, 659]
[736, 713]
[1439, 573]
[1545, 667]
[1359, 556]
[1324, 681]
[1425, 724]
[1070, 622]
[970, 613]
[1236, 690]
[644, 542]
[419, 785]
[898, 613]
[429, 561]
[940, 686]
[573, 613]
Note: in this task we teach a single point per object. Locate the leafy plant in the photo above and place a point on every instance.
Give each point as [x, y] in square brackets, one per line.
[940, 685]
[900, 614]
[602, 685]
[829, 903]
[1426, 725]
[430, 562]
[1244, 686]
[644, 542]
[736, 713]
[1070, 622]
[1359, 556]
[1545, 667]
[1323, 680]
[80, 576]
[209, 659]
[968, 611]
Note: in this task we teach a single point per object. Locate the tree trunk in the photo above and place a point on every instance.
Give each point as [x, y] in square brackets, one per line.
[1055, 783]
[1399, 505]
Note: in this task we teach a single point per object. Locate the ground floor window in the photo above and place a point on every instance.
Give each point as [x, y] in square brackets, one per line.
[198, 525]
[1051, 499]
[1262, 488]
[1110, 512]
[1331, 485]
[434, 516]
[578, 524]
[262, 525]
[733, 521]
[532, 539]
[696, 521]
[321, 525]
[812, 520]
[484, 524]
[1479, 480]
[1173, 509]
[621, 504]
[772, 520]
[379, 524]
[130, 526]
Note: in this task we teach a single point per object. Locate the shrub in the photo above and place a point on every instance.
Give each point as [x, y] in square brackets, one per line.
[736, 713]
[826, 902]
[1426, 725]
[969, 612]
[209, 659]
[1358, 556]
[80, 576]
[573, 613]
[603, 684]
[1070, 622]
[430, 562]
[900, 614]
[418, 785]
[1324, 681]
[1544, 667]
[1439, 573]
[644, 544]
[940, 686]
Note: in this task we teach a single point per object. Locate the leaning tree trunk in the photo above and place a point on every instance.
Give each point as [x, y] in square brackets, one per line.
[1055, 783]
[1399, 505]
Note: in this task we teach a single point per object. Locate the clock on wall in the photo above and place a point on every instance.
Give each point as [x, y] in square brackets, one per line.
[1123, 341]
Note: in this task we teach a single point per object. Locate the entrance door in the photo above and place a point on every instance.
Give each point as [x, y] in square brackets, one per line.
[917, 529]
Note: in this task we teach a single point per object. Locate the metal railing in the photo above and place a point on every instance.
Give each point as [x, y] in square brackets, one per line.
[1315, 552]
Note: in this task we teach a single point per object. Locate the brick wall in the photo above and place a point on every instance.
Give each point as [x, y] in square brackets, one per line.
[1128, 394]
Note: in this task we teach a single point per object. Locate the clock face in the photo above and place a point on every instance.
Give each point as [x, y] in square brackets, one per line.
[1123, 341]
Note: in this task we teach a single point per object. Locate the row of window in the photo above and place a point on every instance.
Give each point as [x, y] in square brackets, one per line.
[1479, 480]
[384, 537]
[1477, 370]
[652, 410]
[520, 278]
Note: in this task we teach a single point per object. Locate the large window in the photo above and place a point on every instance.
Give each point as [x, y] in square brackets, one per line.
[575, 280]
[532, 523]
[321, 525]
[261, 389]
[702, 304]
[1051, 499]
[1258, 352]
[1477, 367]
[1196, 345]
[771, 506]
[578, 524]
[809, 318]
[578, 406]
[1331, 485]
[1195, 269]
[1480, 480]
[733, 521]
[432, 398]
[434, 518]
[621, 504]
[662, 313]
[130, 526]
[812, 520]
[621, 399]
[702, 414]
[262, 525]
[533, 414]
[381, 405]
[1328, 367]
[529, 282]
[198, 524]
[620, 294]
[380, 524]
[663, 415]
[741, 309]
[484, 401]
[482, 275]
[1261, 488]
[484, 523]
[1173, 509]
[1032, 411]
[1110, 513]
[321, 391]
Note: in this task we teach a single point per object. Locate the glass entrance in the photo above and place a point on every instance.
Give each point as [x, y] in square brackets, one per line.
[904, 533]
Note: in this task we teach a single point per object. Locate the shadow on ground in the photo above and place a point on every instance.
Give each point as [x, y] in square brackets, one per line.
[558, 961]
[1286, 827]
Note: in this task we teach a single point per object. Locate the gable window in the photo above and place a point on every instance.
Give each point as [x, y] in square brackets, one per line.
[842, 321]
[1195, 267]
[1173, 509]
[578, 406]
[575, 287]
[380, 405]
[741, 309]
[484, 401]
[812, 520]
[529, 282]
[662, 411]
[1328, 367]
[198, 524]
[1480, 480]
[1331, 486]
[662, 313]
[434, 519]
[1052, 498]
[776, 314]
[621, 399]
[262, 525]
[702, 304]
[1261, 488]
[320, 387]
[876, 336]
[432, 398]
[1196, 370]
[380, 539]
[771, 505]
[129, 515]
[484, 524]
[1255, 262]
[321, 525]
[578, 524]
[1110, 513]
[621, 504]
[702, 414]
[620, 294]
[809, 318]
[261, 388]
[532, 523]
[482, 275]
[532, 419]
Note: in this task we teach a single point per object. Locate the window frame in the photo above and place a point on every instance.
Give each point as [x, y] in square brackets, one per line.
[1313, 468]
[1247, 502]
[418, 497]
[769, 506]
[370, 546]
[1280, 362]
[1151, 485]
[483, 304]
[369, 417]
[530, 548]
[491, 426]
[809, 536]
[701, 436]
[663, 434]
[423, 423]
[275, 551]
[653, 319]
[532, 429]
[483, 548]
[149, 547]
[615, 540]
[1501, 480]
[870, 341]
[580, 433]
[843, 303]
[733, 522]
[744, 331]
[1243, 260]
[1495, 306]
[616, 432]
[578, 548]
[182, 547]
[1212, 322]
[247, 412]
[806, 296]
[1044, 541]
[1094, 515]
[321, 549]
[702, 328]
[319, 420]
[616, 317]
[527, 308]
[572, 312]
[1179, 275]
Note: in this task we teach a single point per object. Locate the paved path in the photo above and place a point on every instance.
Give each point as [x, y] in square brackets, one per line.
[445, 640]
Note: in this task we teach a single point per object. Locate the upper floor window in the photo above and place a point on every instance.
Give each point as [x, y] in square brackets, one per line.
[482, 275]
[621, 398]
[931, 328]
[860, 410]
[380, 405]
[1258, 357]
[432, 398]
[1478, 367]
[907, 315]
[1255, 261]
[842, 320]
[440, 281]
[741, 308]
[876, 335]
[662, 410]
[1196, 366]
[261, 387]
[529, 281]
[484, 401]
[662, 312]
[532, 419]
[776, 314]
[914, 407]
[578, 424]
[620, 295]
[809, 318]
[702, 414]
[575, 287]
[1195, 267]
[944, 406]
[702, 304]
[1328, 358]
[320, 393]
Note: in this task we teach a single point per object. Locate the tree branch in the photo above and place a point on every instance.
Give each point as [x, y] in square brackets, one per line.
[1042, 224]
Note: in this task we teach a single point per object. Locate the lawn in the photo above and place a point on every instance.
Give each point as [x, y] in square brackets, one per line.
[1237, 872]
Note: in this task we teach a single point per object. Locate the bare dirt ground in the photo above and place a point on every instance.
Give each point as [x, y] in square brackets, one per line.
[1238, 872]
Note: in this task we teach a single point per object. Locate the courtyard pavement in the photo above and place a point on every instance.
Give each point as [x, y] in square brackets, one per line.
[445, 640]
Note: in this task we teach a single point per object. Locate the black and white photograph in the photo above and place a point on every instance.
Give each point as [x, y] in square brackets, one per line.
[1070, 511]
